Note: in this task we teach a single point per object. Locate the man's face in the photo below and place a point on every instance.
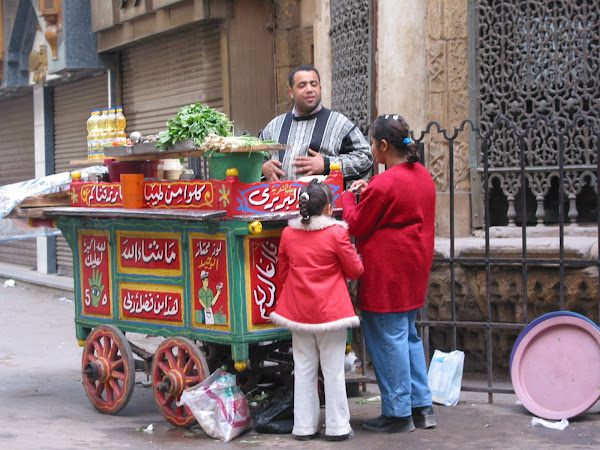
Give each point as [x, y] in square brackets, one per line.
[306, 91]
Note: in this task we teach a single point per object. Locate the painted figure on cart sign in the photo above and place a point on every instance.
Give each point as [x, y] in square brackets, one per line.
[208, 298]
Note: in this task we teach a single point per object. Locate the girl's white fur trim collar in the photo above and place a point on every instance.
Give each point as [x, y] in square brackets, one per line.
[299, 327]
[316, 223]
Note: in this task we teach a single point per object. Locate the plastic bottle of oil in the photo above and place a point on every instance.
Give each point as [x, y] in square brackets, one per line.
[120, 123]
[111, 130]
[92, 135]
[102, 135]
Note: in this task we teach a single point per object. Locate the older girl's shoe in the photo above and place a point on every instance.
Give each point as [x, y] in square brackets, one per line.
[423, 417]
[388, 424]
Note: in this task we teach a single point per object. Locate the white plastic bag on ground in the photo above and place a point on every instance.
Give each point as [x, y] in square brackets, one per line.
[219, 406]
[445, 376]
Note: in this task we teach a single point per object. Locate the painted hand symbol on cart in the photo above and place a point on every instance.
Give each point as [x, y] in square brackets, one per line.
[96, 288]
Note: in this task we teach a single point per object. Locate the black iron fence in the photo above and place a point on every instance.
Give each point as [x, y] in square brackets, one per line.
[534, 249]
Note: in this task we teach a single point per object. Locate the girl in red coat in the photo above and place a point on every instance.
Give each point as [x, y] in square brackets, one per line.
[315, 258]
[394, 225]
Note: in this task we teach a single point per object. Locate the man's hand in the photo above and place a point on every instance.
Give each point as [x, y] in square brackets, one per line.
[271, 170]
[310, 165]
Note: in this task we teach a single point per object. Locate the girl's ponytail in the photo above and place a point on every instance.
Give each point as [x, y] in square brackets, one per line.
[313, 198]
[394, 129]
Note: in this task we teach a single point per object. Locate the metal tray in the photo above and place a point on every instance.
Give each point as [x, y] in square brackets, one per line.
[121, 150]
[145, 148]
[184, 145]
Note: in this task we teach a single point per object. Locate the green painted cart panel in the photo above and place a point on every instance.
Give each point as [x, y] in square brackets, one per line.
[211, 281]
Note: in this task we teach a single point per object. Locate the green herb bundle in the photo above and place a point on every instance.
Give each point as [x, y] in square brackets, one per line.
[194, 122]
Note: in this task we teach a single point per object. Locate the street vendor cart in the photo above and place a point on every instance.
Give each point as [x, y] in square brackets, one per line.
[197, 264]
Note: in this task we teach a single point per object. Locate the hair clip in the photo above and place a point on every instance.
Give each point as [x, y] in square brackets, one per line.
[395, 116]
[305, 196]
[406, 141]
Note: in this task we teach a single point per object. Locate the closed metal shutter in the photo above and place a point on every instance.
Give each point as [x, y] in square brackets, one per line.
[163, 74]
[17, 163]
[73, 103]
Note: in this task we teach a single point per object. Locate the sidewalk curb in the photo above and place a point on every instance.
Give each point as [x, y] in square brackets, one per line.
[28, 275]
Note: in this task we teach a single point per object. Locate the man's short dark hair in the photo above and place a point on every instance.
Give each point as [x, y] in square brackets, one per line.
[303, 67]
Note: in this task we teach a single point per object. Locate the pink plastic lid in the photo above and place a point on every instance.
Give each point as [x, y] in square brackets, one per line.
[555, 369]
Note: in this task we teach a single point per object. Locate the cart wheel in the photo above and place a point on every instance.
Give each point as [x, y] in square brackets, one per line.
[108, 369]
[178, 364]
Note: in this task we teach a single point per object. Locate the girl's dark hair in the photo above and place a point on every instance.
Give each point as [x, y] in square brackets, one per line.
[394, 129]
[313, 199]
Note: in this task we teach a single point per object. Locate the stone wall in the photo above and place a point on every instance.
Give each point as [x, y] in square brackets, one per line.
[293, 45]
[507, 305]
[448, 104]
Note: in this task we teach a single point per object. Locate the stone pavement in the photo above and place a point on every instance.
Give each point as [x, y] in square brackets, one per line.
[42, 403]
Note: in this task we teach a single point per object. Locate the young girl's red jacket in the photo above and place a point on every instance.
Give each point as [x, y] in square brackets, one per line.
[394, 225]
[314, 262]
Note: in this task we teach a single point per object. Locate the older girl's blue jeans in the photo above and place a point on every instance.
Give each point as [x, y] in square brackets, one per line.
[396, 351]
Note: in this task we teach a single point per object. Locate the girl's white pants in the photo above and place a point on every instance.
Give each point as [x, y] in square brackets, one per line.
[329, 349]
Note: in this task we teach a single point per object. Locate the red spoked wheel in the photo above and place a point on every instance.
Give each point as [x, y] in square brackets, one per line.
[178, 364]
[108, 369]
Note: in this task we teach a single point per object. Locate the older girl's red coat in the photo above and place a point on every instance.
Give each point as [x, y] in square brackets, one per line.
[394, 224]
[314, 261]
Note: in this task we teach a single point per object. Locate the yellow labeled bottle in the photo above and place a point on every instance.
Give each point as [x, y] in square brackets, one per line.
[102, 137]
[92, 133]
[120, 124]
[111, 130]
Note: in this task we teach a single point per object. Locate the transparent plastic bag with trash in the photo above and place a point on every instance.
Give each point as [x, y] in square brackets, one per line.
[219, 406]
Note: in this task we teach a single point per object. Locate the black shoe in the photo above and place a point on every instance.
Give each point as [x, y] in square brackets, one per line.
[341, 437]
[387, 424]
[423, 417]
[306, 437]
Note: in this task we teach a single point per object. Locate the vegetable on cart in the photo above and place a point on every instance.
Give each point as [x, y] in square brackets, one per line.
[194, 122]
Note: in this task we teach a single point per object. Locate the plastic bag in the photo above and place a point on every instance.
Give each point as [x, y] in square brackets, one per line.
[219, 406]
[275, 413]
[445, 376]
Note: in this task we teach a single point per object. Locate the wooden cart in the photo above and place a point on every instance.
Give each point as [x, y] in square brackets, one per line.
[196, 265]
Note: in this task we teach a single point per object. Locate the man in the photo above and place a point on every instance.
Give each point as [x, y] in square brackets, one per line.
[208, 298]
[317, 136]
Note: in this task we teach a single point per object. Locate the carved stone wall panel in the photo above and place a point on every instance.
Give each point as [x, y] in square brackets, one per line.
[458, 66]
[458, 108]
[461, 165]
[455, 24]
[437, 163]
[437, 106]
[435, 19]
[437, 66]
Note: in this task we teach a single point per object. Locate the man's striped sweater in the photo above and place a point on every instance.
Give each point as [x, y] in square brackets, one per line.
[328, 132]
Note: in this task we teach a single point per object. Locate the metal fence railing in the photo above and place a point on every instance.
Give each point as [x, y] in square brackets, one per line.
[485, 288]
